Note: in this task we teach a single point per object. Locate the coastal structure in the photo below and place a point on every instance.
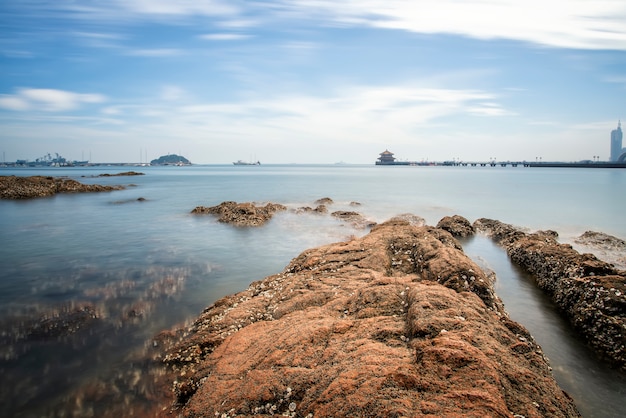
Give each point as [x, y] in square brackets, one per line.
[49, 161]
[387, 158]
[618, 154]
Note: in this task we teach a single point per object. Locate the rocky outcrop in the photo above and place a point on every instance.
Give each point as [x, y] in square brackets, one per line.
[319, 209]
[16, 187]
[242, 214]
[397, 323]
[591, 292]
[354, 218]
[607, 247]
[324, 201]
[602, 240]
[126, 173]
[457, 225]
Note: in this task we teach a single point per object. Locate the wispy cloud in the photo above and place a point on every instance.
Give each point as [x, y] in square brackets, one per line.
[560, 23]
[99, 40]
[142, 9]
[616, 79]
[224, 36]
[356, 113]
[49, 100]
[489, 109]
[580, 24]
[172, 93]
[156, 52]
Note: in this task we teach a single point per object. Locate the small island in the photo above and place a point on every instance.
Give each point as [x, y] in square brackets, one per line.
[171, 159]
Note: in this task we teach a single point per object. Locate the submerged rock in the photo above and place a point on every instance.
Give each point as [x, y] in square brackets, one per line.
[242, 214]
[399, 322]
[601, 240]
[356, 219]
[591, 292]
[125, 173]
[15, 187]
[324, 201]
[320, 209]
[410, 218]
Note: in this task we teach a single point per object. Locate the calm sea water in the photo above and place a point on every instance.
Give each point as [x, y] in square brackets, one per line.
[149, 265]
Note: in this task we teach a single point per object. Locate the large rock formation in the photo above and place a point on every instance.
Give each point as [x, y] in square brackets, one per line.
[397, 323]
[242, 214]
[15, 187]
[591, 292]
[456, 225]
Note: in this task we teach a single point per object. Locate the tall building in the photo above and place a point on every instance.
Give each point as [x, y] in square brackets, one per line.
[616, 142]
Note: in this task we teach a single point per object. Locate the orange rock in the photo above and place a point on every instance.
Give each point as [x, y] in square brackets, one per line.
[397, 323]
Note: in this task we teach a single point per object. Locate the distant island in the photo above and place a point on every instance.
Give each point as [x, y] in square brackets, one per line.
[171, 159]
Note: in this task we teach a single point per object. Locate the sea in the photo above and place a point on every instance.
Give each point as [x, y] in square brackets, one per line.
[143, 263]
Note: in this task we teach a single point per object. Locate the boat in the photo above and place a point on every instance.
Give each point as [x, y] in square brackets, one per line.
[241, 162]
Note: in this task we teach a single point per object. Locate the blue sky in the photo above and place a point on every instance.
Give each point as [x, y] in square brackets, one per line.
[311, 81]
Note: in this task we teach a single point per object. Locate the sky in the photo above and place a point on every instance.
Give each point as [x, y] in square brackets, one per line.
[311, 81]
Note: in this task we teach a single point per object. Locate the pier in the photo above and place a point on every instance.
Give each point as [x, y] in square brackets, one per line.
[582, 164]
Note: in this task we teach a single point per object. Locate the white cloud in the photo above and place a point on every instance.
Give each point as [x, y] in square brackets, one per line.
[179, 7]
[172, 93]
[13, 102]
[99, 40]
[156, 52]
[224, 36]
[236, 23]
[616, 79]
[489, 109]
[49, 100]
[143, 9]
[358, 113]
[561, 23]
[581, 24]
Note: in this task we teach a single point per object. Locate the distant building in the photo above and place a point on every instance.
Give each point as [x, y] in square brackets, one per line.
[617, 152]
[387, 158]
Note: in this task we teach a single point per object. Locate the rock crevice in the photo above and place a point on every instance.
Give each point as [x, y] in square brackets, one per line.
[591, 292]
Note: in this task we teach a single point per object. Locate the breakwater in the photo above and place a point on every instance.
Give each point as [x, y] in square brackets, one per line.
[508, 164]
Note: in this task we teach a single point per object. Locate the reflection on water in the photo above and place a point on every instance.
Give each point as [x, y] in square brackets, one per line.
[599, 390]
[64, 358]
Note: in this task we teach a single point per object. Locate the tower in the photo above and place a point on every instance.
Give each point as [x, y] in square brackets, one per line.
[616, 142]
[386, 157]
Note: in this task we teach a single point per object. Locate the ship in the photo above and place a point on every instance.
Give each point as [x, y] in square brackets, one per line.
[241, 162]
